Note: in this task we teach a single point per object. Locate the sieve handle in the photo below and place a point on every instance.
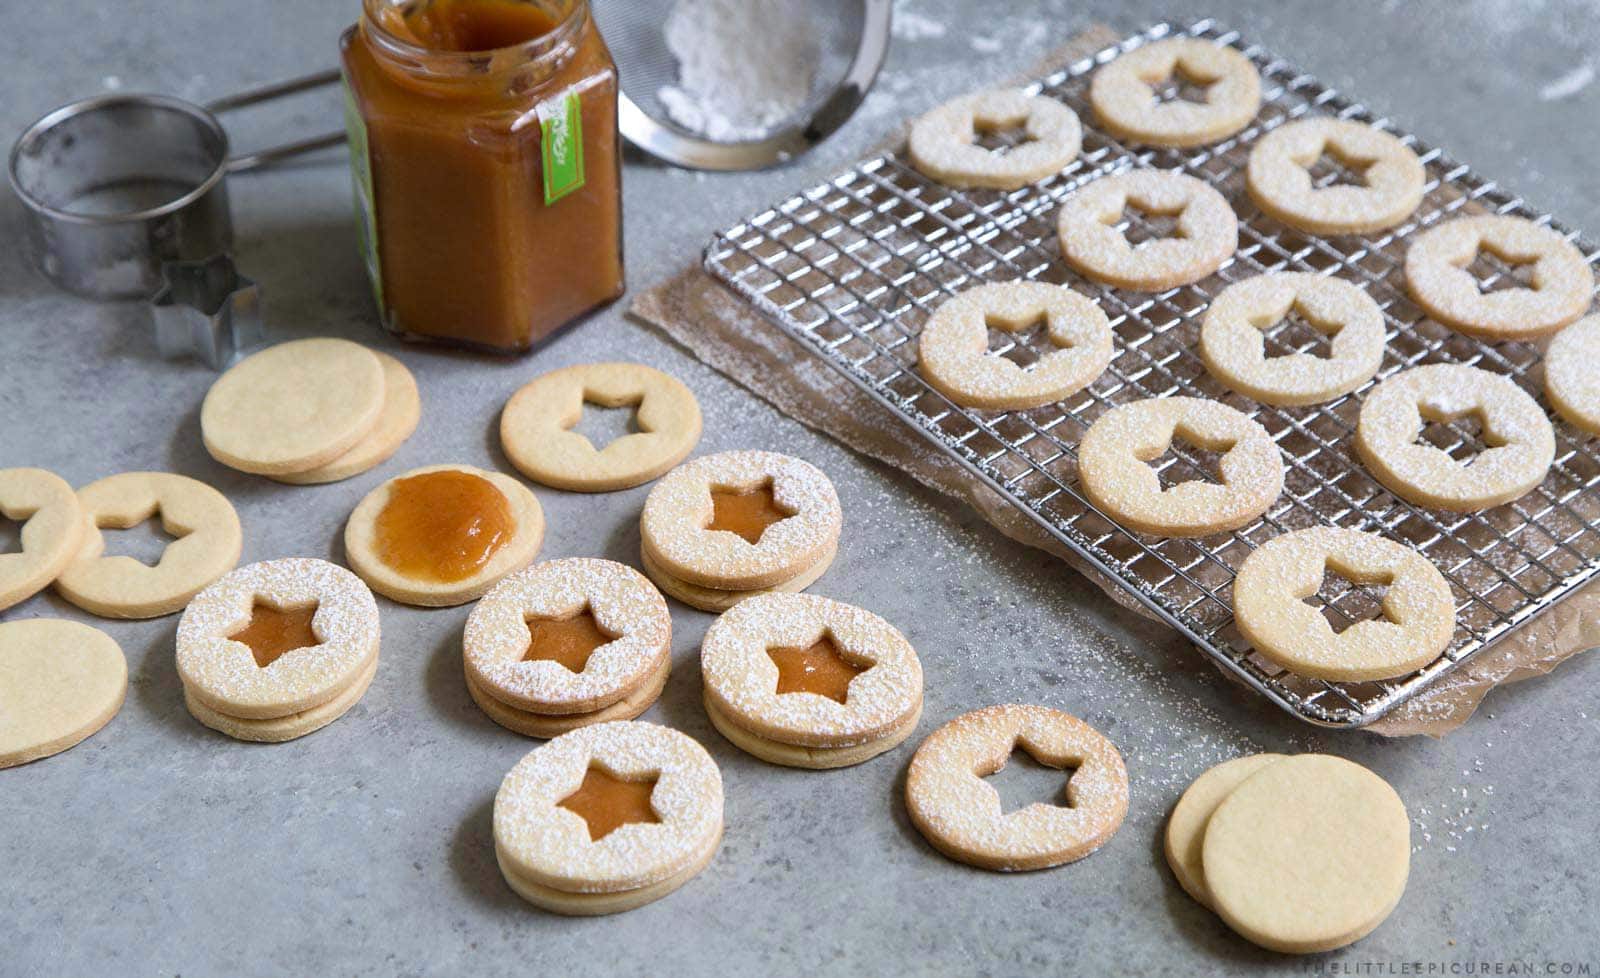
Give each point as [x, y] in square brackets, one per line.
[266, 93]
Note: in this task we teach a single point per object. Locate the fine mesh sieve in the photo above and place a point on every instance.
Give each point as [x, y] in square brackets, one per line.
[852, 38]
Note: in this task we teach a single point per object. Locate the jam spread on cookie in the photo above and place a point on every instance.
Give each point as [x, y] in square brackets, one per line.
[817, 668]
[747, 513]
[569, 641]
[608, 802]
[443, 526]
[275, 631]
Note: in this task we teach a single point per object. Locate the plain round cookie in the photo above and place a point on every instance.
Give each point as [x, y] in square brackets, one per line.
[402, 410]
[1206, 233]
[222, 673]
[1114, 470]
[717, 600]
[625, 606]
[1522, 443]
[1571, 375]
[1280, 183]
[361, 550]
[278, 730]
[1234, 348]
[1437, 277]
[943, 143]
[538, 842]
[741, 678]
[52, 529]
[673, 525]
[1269, 606]
[960, 815]
[535, 427]
[1186, 826]
[293, 406]
[1307, 854]
[1124, 98]
[60, 682]
[953, 349]
[547, 725]
[207, 545]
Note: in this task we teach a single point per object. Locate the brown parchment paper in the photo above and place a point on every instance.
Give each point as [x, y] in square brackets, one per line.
[721, 329]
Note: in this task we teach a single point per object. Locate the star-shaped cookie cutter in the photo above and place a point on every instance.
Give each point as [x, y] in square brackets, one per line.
[206, 309]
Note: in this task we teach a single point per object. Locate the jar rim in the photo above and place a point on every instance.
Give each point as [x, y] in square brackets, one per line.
[474, 64]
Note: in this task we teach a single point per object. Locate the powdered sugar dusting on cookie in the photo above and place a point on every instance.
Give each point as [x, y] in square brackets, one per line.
[1206, 234]
[1571, 377]
[679, 509]
[942, 146]
[624, 604]
[743, 679]
[1279, 181]
[1557, 293]
[551, 845]
[224, 674]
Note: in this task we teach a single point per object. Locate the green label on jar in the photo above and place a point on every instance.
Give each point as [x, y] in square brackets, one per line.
[361, 178]
[562, 120]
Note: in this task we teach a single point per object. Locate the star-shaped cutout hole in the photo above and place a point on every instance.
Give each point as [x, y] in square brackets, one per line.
[818, 668]
[746, 512]
[144, 539]
[568, 641]
[1295, 334]
[606, 802]
[1023, 780]
[1187, 461]
[602, 424]
[11, 534]
[273, 632]
[1020, 346]
[1463, 437]
[1181, 85]
[1140, 225]
[1332, 167]
[1344, 601]
[1494, 272]
[1000, 136]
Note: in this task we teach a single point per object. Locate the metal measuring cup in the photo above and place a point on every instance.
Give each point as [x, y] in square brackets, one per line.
[117, 185]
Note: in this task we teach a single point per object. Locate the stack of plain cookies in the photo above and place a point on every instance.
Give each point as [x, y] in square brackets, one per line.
[310, 411]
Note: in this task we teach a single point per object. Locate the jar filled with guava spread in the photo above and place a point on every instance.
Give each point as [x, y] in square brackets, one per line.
[485, 154]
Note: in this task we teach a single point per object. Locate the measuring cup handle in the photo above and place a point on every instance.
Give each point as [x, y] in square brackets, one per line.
[265, 93]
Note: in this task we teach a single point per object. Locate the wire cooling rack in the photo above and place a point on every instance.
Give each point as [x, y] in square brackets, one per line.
[855, 265]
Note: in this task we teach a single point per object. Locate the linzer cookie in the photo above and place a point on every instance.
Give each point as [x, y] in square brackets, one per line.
[52, 528]
[944, 143]
[960, 814]
[953, 350]
[60, 682]
[1279, 177]
[279, 649]
[1114, 469]
[607, 818]
[717, 600]
[1125, 102]
[739, 521]
[565, 644]
[1204, 235]
[1270, 608]
[1519, 444]
[536, 426]
[1439, 277]
[805, 681]
[207, 545]
[443, 535]
[1234, 347]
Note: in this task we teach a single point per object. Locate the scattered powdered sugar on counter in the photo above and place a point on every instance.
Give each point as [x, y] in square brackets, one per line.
[908, 25]
[744, 66]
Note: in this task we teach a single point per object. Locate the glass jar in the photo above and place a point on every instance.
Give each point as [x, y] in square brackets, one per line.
[487, 166]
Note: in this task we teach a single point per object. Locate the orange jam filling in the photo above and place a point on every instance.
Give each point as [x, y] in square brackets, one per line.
[818, 668]
[569, 641]
[443, 526]
[747, 513]
[608, 802]
[469, 25]
[272, 632]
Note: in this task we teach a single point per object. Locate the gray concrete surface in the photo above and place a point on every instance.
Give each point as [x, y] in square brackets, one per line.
[158, 847]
